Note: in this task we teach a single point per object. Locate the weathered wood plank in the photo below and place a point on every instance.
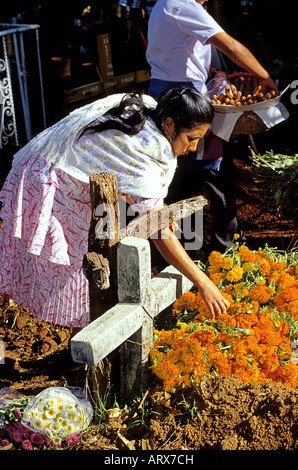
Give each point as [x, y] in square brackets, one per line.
[105, 334]
[147, 225]
[104, 194]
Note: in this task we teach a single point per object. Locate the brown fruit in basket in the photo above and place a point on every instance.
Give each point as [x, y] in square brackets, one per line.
[234, 90]
[257, 90]
[238, 96]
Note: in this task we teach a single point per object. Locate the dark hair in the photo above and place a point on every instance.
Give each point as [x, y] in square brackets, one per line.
[187, 107]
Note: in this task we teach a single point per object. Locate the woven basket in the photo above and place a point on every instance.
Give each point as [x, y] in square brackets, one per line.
[249, 123]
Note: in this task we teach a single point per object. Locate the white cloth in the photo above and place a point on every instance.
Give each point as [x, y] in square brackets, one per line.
[177, 34]
[224, 123]
[144, 164]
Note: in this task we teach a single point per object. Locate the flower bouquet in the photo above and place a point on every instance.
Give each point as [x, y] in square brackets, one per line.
[58, 413]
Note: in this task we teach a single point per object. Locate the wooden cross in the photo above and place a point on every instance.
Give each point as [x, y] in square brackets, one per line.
[124, 300]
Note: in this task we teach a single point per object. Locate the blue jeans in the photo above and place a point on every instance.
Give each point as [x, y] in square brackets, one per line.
[156, 87]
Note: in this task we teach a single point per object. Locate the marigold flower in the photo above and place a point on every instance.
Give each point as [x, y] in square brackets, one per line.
[215, 260]
[186, 301]
[227, 263]
[245, 254]
[216, 277]
[235, 274]
[261, 293]
[252, 340]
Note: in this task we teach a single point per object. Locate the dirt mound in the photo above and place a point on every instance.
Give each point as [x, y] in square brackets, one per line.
[221, 413]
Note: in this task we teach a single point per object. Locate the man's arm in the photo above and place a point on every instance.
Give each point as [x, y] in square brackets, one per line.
[239, 54]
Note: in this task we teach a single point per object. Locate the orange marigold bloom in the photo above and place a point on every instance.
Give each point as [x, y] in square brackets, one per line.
[286, 280]
[292, 307]
[215, 259]
[241, 290]
[245, 254]
[246, 369]
[216, 277]
[261, 293]
[283, 298]
[235, 274]
[264, 266]
[186, 301]
[249, 342]
[205, 337]
[227, 263]
[287, 375]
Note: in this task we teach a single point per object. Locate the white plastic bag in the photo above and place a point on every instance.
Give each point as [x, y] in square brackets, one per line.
[216, 86]
[58, 413]
[10, 400]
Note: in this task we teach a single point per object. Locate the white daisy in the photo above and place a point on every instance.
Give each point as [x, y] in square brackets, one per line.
[37, 423]
[50, 413]
[55, 427]
[56, 440]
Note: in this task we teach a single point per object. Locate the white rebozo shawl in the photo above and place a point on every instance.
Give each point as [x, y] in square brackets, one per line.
[145, 162]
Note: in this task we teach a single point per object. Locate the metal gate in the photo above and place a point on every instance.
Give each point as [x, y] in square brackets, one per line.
[15, 105]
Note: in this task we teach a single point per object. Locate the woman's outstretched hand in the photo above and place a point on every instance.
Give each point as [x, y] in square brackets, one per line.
[215, 301]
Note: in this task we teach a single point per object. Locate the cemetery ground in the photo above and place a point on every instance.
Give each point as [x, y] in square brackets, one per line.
[221, 413]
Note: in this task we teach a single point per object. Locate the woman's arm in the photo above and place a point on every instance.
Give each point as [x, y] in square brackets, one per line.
[172, 250]
[239, 54]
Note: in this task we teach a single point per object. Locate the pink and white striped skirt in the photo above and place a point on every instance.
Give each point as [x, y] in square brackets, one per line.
[46, 218]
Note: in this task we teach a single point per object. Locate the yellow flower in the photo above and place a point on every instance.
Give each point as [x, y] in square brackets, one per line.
[227, 263]
[261, 293]
[215, 259]
[216, 277]
[235, 274]
[71, 415]
[55, 427]
[52, 402]
[245, 254]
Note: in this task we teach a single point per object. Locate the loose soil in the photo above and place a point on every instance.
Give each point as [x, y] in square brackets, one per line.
[221, 413]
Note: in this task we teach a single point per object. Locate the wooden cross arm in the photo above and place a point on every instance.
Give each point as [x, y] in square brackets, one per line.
[157, 219]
